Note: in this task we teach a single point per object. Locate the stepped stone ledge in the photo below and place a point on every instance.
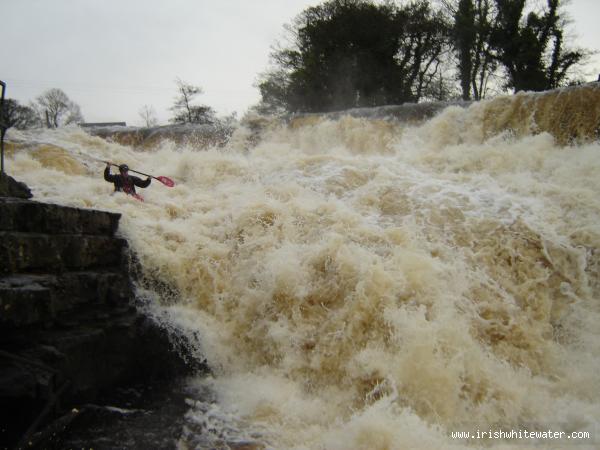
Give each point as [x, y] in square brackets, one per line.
[70, 332]
[34, 217]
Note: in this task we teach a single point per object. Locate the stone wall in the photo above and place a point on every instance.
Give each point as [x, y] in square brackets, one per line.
[69, 330]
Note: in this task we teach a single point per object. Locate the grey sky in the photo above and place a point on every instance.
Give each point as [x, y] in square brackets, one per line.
[112, 57]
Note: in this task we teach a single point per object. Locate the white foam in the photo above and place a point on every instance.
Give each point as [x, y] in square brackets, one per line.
[356, 284]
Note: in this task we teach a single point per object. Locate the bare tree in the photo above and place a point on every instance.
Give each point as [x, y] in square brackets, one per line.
[74, 114]
[56, 109]
[148, 115]
[185, 111]
[183, 102]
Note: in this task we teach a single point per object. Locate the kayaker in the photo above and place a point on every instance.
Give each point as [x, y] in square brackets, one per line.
[124, 182]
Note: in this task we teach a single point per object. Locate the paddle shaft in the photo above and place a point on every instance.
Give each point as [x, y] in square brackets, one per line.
[131, 170]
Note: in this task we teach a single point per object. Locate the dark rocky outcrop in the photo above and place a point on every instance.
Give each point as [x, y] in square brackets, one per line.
[69, 330]
[9, 187]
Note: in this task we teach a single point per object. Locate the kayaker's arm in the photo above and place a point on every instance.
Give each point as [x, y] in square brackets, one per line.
[108, 176]
[142, 183]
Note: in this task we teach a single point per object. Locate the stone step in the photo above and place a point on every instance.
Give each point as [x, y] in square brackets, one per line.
[30, 216]
[27, 299]
[29, 252]
[24, 303]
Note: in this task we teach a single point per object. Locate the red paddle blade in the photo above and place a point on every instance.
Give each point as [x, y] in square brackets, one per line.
[166, 181]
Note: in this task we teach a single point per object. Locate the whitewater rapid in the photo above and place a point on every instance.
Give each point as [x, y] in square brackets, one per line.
[360, 283]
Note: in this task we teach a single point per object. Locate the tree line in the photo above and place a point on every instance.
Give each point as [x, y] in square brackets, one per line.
[54, 109]
[359, 53]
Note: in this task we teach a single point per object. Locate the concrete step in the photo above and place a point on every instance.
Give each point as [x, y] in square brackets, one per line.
[29, 252]
[27, 299]
[30, 216]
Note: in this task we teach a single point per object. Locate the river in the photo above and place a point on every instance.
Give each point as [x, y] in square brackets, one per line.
[369, 282]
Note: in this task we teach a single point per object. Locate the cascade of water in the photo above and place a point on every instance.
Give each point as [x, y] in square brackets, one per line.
[360, 282]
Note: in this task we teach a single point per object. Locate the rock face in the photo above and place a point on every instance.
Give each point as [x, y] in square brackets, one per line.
[68, 329]
[9, 187]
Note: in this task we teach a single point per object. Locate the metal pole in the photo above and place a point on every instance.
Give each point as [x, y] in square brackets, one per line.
[2, 127]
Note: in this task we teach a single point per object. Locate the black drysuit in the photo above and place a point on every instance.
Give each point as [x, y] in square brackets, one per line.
[125, 183]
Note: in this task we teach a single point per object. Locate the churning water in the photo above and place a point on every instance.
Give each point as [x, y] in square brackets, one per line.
[361, 283]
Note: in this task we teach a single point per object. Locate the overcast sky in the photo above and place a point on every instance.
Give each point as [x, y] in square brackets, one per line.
[114, 56]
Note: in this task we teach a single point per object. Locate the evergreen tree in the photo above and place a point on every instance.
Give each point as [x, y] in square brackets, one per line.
[354, 53]
[532, 49]
[464, 38]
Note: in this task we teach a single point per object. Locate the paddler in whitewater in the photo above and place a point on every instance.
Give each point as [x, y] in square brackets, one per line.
[125, 182]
